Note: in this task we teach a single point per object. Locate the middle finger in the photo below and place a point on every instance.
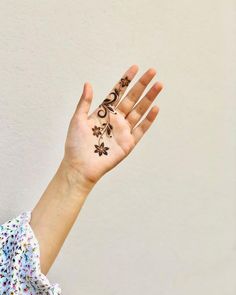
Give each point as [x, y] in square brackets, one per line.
[136, 91]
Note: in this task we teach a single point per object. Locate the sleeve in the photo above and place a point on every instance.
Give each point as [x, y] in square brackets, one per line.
[20, 271]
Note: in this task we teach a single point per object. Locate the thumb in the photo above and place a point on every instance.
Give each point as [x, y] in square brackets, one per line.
[85, 99]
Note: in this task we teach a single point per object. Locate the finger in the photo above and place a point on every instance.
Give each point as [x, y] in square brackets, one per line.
[84, 103]
[127, 103]
[145, 124]
[142, 106]
[118, 90]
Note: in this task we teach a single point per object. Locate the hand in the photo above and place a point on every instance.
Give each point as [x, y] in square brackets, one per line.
[96, 143]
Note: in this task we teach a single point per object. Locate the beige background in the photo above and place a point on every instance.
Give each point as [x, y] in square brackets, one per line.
[163, 221]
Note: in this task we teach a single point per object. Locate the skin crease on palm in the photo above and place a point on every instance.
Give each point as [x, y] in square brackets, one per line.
[128, 125]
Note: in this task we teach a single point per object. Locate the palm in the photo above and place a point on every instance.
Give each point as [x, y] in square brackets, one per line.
[112, 143]
[97, 143]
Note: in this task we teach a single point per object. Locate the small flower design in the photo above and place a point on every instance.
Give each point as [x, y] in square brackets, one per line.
[101, 149]
[96, 131]
[124, 81]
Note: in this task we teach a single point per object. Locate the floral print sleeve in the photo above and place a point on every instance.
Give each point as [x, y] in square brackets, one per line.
[20, 271]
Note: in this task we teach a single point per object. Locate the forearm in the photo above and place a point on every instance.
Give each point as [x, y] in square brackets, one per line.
[57, 210]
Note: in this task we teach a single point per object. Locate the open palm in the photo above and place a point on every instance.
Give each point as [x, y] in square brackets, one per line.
[96, 143]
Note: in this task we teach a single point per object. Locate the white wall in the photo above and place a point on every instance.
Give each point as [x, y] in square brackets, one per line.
[163, 221]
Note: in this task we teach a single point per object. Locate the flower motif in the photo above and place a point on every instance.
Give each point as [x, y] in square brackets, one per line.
[96, 131]
[101, 149]
[124, 81]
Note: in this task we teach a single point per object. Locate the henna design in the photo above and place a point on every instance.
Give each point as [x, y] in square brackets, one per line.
[105, 108]
[101, 149]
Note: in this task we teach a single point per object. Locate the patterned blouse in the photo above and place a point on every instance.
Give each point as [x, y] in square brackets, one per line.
[20, 271]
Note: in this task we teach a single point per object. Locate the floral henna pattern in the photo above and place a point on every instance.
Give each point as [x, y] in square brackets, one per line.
[96, 131]
[105, 108]
[101, 149]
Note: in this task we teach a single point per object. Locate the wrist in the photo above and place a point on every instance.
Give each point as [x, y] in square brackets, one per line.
[75, 179]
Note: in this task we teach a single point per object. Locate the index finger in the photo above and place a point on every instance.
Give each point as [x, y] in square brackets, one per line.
[118, 90]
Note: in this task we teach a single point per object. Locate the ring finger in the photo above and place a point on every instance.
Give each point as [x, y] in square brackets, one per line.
[141, 107]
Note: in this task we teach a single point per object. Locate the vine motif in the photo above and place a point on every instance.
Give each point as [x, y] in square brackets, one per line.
[105, 108]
